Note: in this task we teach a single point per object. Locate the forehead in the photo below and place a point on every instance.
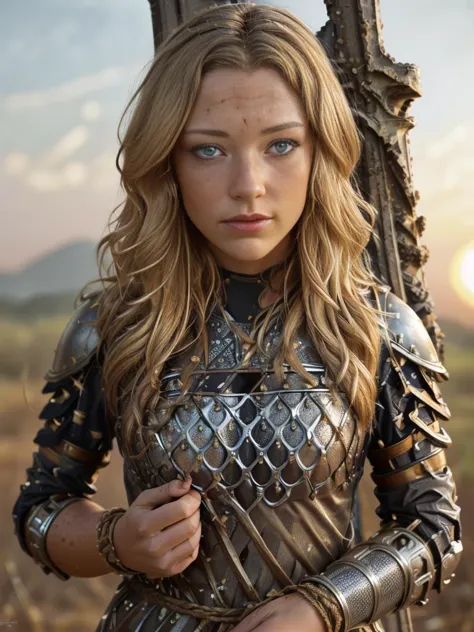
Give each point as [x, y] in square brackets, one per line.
[260, 93]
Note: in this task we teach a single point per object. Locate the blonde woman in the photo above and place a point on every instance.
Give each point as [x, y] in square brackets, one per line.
[245, 361]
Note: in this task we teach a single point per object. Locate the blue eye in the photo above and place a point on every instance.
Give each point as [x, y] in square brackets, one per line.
[208, 151]
[283, 145]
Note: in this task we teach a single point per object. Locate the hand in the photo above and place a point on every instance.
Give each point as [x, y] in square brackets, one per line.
[284, 614]
[159, 535]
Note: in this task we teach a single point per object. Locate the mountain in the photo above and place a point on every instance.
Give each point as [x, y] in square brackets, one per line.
[64, 270]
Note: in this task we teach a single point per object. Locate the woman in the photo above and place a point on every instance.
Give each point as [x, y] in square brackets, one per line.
[246, 362]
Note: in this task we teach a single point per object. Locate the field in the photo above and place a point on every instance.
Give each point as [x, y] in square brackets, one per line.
[30, 601]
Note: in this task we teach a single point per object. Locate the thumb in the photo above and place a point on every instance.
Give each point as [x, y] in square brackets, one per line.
[156, 496]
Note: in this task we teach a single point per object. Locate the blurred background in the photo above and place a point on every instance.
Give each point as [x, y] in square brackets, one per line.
[67, 70]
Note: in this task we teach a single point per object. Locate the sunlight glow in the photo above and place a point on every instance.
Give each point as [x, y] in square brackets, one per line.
[462, 273]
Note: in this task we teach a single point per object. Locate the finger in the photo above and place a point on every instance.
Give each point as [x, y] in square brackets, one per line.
[157, 496]
[179, 532]
[171, 513]
[179, 568]
[182, 551]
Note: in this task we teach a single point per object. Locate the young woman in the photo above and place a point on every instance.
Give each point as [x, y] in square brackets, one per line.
[245, 361]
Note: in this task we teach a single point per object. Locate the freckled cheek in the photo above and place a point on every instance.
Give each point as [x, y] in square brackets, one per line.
[292, 184]
[201, 202]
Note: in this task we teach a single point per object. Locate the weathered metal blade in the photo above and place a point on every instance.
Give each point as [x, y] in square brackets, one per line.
[380, 92]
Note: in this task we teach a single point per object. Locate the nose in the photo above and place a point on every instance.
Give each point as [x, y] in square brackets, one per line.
[247, 182]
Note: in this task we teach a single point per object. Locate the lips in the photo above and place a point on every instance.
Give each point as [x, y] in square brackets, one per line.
[248, 223]
[254, 217]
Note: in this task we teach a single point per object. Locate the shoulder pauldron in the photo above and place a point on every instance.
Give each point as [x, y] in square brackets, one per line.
[406, 333]
[78, 342]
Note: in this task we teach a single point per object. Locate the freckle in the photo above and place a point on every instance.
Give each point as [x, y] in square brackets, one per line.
[245, 121]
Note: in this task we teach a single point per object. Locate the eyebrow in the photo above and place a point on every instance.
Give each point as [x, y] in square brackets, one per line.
[267, 130]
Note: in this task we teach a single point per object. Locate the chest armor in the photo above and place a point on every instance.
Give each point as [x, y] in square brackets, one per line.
[276, 462]
[244, 430]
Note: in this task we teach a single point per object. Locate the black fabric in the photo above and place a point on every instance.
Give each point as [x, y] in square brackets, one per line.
[242, 294]
[83, 392]
[432, 498]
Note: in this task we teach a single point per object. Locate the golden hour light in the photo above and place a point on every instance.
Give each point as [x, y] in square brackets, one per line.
[462, 273]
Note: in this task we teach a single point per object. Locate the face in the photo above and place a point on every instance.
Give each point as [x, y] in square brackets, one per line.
[242, 163]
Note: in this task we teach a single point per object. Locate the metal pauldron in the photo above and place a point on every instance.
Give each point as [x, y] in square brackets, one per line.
[37, 526]
[391, 570]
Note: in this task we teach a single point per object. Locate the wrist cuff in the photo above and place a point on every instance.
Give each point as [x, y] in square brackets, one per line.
[391, 570]
[37, 526]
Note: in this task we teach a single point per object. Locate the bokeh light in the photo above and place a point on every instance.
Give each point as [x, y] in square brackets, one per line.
[462, 273]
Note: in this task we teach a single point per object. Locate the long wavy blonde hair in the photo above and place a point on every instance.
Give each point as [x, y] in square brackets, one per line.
[160, 287]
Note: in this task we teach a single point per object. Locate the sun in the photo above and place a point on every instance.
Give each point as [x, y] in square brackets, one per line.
[462, 273]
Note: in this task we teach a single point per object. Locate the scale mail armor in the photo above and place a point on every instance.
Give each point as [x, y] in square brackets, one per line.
[277, 465]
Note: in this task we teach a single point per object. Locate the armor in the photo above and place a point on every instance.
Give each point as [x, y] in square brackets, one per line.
[78, 343]
[277, 465]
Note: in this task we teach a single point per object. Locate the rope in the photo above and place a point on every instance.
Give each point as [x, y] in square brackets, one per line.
[321, 599]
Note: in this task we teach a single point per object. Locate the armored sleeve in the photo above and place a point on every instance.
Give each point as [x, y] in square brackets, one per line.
[419, 543]
[74, 442]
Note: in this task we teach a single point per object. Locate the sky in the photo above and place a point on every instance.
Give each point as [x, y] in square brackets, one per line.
[67, 69]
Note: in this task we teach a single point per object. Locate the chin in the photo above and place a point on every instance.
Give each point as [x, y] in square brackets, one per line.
[247, 255]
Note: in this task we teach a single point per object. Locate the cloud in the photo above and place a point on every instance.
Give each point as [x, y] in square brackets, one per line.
[70, 176]
[16, 163]
[53, 170]
[104, 174]
[91, 111]
[448, 143]
[71, 90]
[62, 167]
[446, 166]
[68, 145]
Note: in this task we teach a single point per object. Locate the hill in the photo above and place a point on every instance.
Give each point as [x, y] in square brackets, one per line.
[64, 270]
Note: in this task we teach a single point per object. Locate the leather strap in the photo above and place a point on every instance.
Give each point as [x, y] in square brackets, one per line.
[381, 458]
[417, 470]
[63, 449]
